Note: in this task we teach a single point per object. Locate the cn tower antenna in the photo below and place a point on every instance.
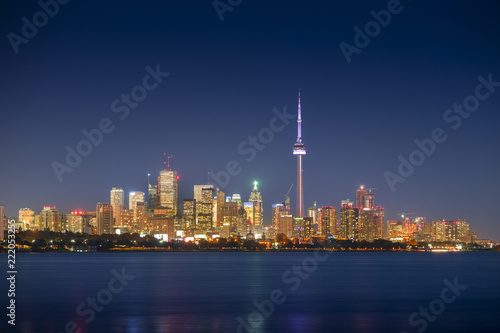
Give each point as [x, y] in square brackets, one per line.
[299, 149]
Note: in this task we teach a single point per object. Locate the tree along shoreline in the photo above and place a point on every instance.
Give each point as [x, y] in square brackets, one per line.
[51, 242]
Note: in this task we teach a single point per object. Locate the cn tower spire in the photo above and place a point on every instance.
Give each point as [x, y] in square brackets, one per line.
[299, 123]
[299, 149]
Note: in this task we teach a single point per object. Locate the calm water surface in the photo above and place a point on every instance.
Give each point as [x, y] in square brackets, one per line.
[208, 292]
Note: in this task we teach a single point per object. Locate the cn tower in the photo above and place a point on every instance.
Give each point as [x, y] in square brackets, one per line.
[299, 149]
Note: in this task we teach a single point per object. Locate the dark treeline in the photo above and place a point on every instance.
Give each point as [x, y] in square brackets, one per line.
[48, 241]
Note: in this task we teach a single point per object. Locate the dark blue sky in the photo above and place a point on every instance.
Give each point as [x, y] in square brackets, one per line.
[225, 79]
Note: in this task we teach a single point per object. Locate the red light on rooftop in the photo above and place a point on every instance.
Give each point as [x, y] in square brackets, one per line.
[177, 177]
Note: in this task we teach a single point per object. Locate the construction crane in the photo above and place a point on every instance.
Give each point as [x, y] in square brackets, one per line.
[287, 197]
[403, 214]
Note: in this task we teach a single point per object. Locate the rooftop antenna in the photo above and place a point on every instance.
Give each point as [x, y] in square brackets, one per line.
[208, 177]
[164, 161]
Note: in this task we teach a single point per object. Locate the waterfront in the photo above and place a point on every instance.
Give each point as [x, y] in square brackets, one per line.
[207, 292]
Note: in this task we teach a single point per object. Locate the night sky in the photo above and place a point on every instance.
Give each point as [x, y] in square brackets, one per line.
[226, 77]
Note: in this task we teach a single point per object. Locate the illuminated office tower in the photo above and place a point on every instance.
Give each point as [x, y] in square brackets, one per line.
[140, 214]
[215, 204]
[349, 220]
[463, 233]
[370, 216]
[204, 209]
[276, 214]
[27, 218]
[251, 209]
[152, 196]
[168, 185]
[237, 198]
[306, 229]
[117, 197]
[256, 198]
[365, 224]
[328, 223]
[313, 213]
[127, 220]
[104, 215]
[189, 211]
[364, 199]
[230, 215]
[299, 149]
[117, 202]
[219, 202]
[244, 225]
[50, 219]
[378, 222]
[286, 225]
[134, 198]
[198, 191]
[302, 227]
[360, 196]
[2, 221]
[198, 194]
[73, 222]
[450, 231]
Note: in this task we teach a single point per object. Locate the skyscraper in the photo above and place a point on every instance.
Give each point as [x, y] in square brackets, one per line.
[360, 196]
[134, 198]
[328, 223]
[313, 212]
[104, 214]
[117, 202]
[276, 210]
[152, 197]
[299, 149]
[256, 198]
[168, 185]
[370, 217]
[218, 205]
[237, 198]
[189, 210]
[349, 220]
[50, 219]
[230, 215]
[27, 217]
[117, 197]
[364, 199]
[205, 209]
[198, 197]
[73, 222]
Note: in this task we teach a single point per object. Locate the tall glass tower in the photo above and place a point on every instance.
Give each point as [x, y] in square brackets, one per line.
[299, 149]
[168, 184]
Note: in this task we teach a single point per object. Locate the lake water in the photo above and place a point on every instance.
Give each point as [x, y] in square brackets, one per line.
[217, 292]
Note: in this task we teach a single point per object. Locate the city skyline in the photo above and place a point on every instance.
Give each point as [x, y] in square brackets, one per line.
[211, 96]
[360, 215]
